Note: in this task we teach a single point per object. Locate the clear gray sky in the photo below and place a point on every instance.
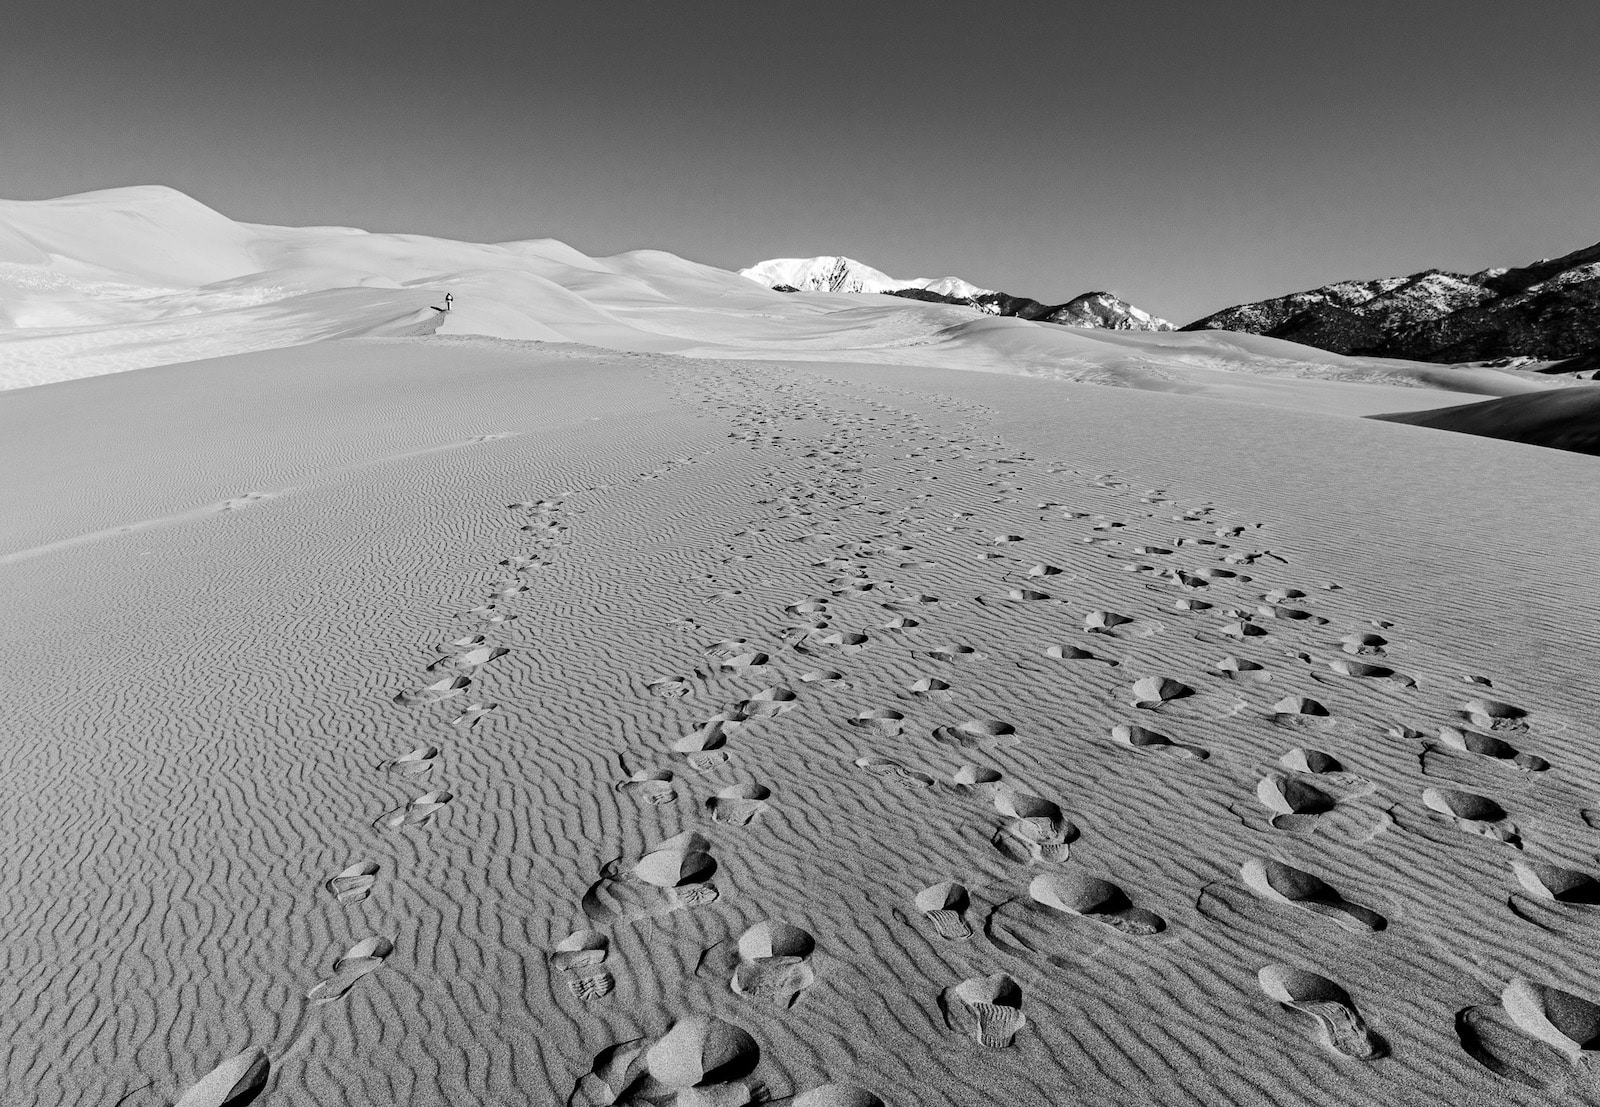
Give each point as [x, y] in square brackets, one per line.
[1186, 154]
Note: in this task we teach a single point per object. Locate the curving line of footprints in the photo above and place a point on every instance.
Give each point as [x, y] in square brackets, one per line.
[1310, 792]
[772, 962]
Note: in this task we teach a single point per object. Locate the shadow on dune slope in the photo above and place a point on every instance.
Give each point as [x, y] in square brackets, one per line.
[1563, 419]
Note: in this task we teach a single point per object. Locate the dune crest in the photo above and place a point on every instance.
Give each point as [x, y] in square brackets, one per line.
[130, 278]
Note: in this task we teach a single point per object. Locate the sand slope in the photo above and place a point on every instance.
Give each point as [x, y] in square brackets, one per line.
[136, 277]
[1568, 419]
[1001, 697]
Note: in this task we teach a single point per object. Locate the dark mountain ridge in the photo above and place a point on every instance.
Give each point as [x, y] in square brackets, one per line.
[1092, 309]
[1547, 311]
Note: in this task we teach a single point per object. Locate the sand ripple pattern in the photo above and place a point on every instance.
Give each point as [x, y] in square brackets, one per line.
[779, 731]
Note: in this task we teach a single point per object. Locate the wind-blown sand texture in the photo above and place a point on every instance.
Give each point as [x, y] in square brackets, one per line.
[450, 721]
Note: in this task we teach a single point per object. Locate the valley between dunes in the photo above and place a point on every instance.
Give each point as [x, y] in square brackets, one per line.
[462, 720]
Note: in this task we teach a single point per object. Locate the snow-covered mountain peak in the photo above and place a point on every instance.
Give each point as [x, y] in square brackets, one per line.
[841, 274]
[832, 273]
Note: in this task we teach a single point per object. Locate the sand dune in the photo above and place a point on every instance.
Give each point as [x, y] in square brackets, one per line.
[451, 720]
[1568, 419]
[137, 277]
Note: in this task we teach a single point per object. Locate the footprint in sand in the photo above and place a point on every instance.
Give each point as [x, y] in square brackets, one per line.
[654, 786]
[845, 641]
[1490, 714]
[1298, 712]
[944, 905]
[978, 734]
[1193, 582]
[774, 963]
[739, 804]
[1371, 645]
[1238, 668]
[1561, 900]
[673, 687]
[1294, 804]
[882, 721]
[1073, 653]
[1312, 762]
[746, 662]
[249, 499]
[1569, 1023]
[675, 874]
[769, 703]
[1556, 884]
[822, 676]
[1361, 670]
[1292, 614]
[1089, 897]
[699, 1062]
[472, 713]
[980, 779]
[358, 961]
[893, 772]
[857, 586]
[1039, 830]
[579, 955]
[703, 748]
[447, 688]
[1339, 1024]
[1489, 1036]
[931, 688]
[488, 613]
[355, 883]
[990, 1006]
[1150, 692]
[1018, 595]
[1474, 814]
[953, 654]
[582, 949]
[418, 762]
[805, 631]
[235, 1082]
[1140, 738]
[1239, 629]
[1284, 884]
[1486, 746]
[419, 812]
[1120, 626]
